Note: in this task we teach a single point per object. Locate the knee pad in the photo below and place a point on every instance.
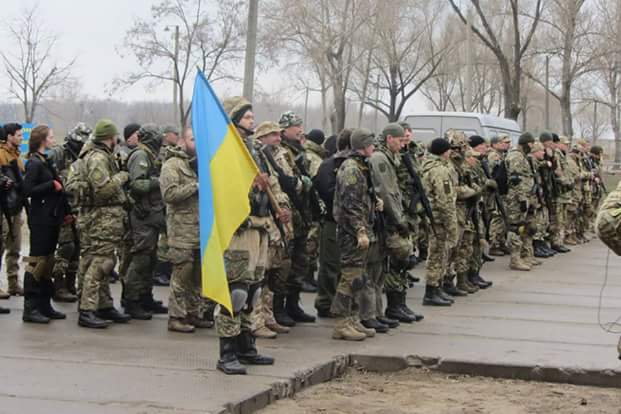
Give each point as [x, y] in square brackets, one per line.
[239, 298]
[359, 283]
[38, 266]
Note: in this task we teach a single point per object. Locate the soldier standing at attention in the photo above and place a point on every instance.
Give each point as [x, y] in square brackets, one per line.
[440, 190]
[354, 208]
[105, 211]
[245, 261]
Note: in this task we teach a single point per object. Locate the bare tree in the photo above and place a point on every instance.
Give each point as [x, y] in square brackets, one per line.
[523, 27]
[32, 70]
[208, 41]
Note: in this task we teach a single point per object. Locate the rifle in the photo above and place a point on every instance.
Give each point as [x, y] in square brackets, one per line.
[471, 204]
[419, 191]
[287, 183]
[318, 209]
[275, 209]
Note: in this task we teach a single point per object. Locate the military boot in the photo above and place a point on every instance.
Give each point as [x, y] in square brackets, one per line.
[179, 325]
[394, 310]
[153, 306]
[228, 362]
[62, 294]
[375, 325]
[276, 327]
[432, 298]
[464, 285]
[403, 304]
[476, 279]
[197, 322]
[246, 350]
[135, 310]
[444, 295]
[45, 302]
[496, 251]
[88, 319]
[4, 295]
[548, 249]
[161, 273]
[559, 248]
[281, 316]
[355, 322]
[4, 311]
[449, 287]
[539, 251]
[264, 332]
[532, 261]
[112, 314]
[517, 263]
[391, 323]
[295, 311]
[32, 297]
[571, 240]
[14, 288]
[345, 331]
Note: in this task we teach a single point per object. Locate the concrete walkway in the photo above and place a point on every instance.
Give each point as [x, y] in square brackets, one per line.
[546, 317]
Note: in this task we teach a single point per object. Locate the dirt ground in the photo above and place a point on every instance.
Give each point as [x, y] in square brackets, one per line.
[421, 391]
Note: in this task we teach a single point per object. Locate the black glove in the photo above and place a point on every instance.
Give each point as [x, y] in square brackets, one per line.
[524, 206]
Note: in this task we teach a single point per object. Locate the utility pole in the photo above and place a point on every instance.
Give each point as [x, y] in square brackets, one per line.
[251, 49]
[547, 103]
[469, 63]
[595, 131]
[376, 103]
[176, 80]
[306, 106]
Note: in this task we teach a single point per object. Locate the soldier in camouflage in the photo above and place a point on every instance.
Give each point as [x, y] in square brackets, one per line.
[354, 211]
[106, 213]
[245, 261]
[498, 226]
[146, 221]
[440, 189]
[67, 255]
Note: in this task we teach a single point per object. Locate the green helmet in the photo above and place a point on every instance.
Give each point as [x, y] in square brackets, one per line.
[289, 119]
[80, 133]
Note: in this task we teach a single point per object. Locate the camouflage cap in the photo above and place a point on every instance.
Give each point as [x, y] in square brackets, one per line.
[394, 130]
[266, 128]
[582, 142]
[472, 153]
[149, 133]
[361, 138]
[105, 129]
[456, 138]
[564, 140]
[170, 129]
[537, 146]
[235, 107]
[80, 132]
[289, 119]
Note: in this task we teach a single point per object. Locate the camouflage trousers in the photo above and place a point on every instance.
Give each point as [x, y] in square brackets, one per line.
[353, 275]
[162, 247]
[558, 222]
[438, 256]
[67, 255]
[185, 283]
[371, 302]
[245, 262]
[585, 218]
[399, 250]
[11, 245]
[312, 250]
[497, 230]
[571, 225]
[94, 281]
[542, 223]
[145, 232]
[275, 276]
[329, 266]
[463, 253]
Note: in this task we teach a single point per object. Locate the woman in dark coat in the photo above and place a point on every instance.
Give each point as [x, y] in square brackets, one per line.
[48, 210]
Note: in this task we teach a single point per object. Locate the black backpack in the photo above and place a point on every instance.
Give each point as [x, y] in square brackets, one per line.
[499, 174]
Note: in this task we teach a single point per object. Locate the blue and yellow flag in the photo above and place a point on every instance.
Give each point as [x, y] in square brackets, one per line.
[226, 172]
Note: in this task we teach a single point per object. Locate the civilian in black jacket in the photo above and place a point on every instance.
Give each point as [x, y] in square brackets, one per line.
[48, 210]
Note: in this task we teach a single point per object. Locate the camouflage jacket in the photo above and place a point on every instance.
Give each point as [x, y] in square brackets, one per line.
[494, 158]
[106, 181]
[353, 204]
[440, 188]
[314, 155]
[608, 222]
[384, 167]
[143, 166]
[566, 180]
[179, 187]
[521, 177]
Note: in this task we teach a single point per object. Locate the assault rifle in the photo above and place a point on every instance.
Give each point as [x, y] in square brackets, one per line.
[418, 193]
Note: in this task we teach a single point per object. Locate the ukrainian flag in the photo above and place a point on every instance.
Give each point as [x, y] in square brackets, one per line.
[226, 172]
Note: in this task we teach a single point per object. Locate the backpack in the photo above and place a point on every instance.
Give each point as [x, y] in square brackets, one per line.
[77, 187]
[499, 174]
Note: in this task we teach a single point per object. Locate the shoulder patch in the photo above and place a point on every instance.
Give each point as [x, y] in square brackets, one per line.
[447, 187]
[383, 167]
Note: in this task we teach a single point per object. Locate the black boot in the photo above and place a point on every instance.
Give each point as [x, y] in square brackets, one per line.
[449, 287]
[295, 311]
[548, 249]
[391, 323]
[476, 279]
[162, 272]
[45, 302]
[247, 350]
[4, 311]
[32, 296]
[135, 310]
[404, 305]
[280, 314]
[432, 298]
[440, 292]
[539, 249]
[394, 309]
[228, 362]
[487, 258]
[112, 314]
[153, 306]
[375, 324]
[560, 248]
[88, 319]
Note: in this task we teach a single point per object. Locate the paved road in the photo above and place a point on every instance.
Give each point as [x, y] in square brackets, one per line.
[545, 317]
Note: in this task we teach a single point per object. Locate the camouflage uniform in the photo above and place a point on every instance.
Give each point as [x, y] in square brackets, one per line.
[497, 225]
[107, 215]
[314, 155]
[67, 255]
[440, 187]
[565, 184]
[573, 207]
[179, 189]
[146, 221]
[520, 208]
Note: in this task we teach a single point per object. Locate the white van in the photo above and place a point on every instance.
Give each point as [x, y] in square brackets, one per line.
[429, 125]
